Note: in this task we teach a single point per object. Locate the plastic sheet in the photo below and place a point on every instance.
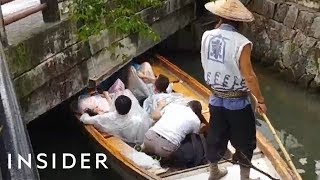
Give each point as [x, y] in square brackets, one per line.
[100, 102]
[150, 104]
[139, 88]
[145, 161]
[118, 86]
[130, 127]
[92, 102]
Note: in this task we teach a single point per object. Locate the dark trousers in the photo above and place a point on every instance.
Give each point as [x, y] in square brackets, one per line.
[238, 126]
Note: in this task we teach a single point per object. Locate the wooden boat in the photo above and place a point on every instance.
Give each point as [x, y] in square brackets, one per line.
[265, 156]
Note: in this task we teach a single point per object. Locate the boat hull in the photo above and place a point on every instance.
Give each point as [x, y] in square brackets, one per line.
[117, 151]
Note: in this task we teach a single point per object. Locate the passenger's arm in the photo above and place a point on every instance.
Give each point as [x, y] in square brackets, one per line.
[251, 78]
[86, 119]
[147, 78]
[156, 114]
[196, 127]
[107, 96]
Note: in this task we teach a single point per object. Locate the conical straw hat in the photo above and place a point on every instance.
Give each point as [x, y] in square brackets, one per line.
[230, 9]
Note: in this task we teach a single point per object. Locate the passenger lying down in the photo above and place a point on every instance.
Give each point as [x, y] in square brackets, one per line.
[161, 84]
[141, 81]
[174, 122]
[94, 101]
[100, 101]
[128, 122]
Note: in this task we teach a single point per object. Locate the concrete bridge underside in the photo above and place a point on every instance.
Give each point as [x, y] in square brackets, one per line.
[49, 64]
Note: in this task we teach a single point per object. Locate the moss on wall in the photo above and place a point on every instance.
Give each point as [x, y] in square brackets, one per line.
[18, 58]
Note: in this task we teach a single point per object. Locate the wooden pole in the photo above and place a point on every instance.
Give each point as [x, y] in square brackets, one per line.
[283, 149]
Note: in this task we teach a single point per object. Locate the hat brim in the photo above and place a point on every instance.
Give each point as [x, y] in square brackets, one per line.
[231, 9]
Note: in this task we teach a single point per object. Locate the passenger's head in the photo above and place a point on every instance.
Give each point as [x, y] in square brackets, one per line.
[91, 112]
[91, 90]
[161, 84]
[197, 109]
[123, 104]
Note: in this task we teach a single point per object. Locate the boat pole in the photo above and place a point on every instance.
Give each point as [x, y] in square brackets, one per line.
[283, 149]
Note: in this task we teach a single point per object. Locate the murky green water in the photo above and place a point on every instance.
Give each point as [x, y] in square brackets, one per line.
[294, 112]
[59, 132]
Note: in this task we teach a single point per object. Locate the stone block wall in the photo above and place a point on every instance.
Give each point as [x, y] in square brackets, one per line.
[50, 66]
[308, 3]
[286, 35]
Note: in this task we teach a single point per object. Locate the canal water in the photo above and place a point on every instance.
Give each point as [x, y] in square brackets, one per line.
[294, 112]
[60, 132]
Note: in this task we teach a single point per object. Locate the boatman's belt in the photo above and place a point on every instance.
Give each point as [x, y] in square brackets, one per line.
[230, 94]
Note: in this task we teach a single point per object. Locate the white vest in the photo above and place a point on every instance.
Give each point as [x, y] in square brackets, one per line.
[220, 53]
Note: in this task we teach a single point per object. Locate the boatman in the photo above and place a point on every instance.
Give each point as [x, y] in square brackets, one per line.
[225, 57]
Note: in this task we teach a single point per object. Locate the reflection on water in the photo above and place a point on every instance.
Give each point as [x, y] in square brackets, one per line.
[294, 112]
[303, 161]
[289, 141]
[297, 114]
[317, 168]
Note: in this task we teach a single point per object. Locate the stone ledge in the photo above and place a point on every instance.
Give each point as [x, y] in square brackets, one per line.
[30, 52]
[58, 63]
[52, 67]
[73, 80]
[56, 37]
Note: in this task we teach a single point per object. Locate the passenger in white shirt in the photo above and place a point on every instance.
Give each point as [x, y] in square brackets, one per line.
[175, 121]
[128, 123]
[161, 85]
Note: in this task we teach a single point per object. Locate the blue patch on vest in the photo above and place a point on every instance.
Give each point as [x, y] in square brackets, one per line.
[217, 45]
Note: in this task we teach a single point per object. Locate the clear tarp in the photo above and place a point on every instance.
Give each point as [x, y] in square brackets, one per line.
[139, 88]
[130, 127]
[150, 104]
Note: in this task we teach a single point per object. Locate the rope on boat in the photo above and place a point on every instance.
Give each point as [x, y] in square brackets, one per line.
[247, 165]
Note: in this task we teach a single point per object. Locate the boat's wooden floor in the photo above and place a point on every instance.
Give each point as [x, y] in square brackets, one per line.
[233, 171]
[182, 87]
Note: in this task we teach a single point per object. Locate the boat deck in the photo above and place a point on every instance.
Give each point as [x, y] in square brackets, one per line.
[233, 171]
[259, 160]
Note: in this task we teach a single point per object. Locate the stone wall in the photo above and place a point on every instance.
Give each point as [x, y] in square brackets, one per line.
[315, 4]
[286, 35]
[52, 65]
